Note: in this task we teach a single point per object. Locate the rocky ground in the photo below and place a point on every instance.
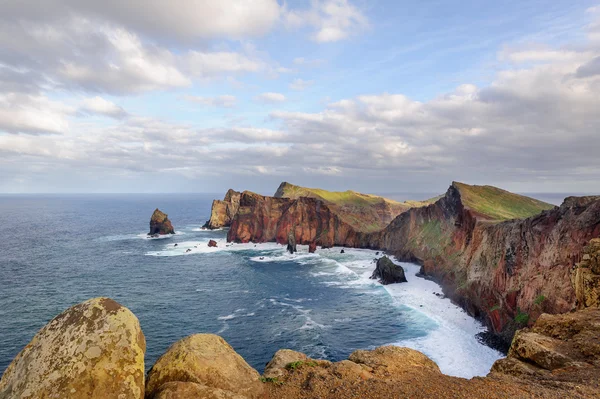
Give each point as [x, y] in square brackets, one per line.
[96, 349]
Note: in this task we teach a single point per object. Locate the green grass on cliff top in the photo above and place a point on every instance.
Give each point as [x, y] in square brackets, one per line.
[497, 204]
[348, 197]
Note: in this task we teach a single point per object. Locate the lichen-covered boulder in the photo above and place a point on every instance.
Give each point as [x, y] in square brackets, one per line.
[160, 224]
[387, 272]
[276, 366]
[204, 359]
[394, 360]
[91, 350]
[192, 390]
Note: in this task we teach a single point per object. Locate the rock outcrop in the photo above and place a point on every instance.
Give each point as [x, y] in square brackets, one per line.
[205, 360]
[563, 348]
[506, 273]
[312, 247]
[291, 242]
[212, 243]
[222, 212]
[586, 276]
[92, 350]
[387, 272]
[96, 350]
[160, 224]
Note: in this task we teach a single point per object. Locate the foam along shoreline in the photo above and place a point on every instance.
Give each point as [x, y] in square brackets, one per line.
[451, 339]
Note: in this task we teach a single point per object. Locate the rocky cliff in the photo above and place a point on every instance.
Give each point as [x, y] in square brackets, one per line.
[160, 224]
[222, 212]
[503, 257]
[508, 272]
[96, 350]
[363, 212]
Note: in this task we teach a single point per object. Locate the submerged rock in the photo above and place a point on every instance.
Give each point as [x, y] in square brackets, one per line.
[91, 350]
[160, 224]
[212, 243]
[206, 360]
[291, 245]
[387, 272]
[312, 247]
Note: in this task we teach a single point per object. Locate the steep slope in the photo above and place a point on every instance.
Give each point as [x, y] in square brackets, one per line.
[222, 212]
[508, 272]
[262, 219]
[488, 202]
[364, 212]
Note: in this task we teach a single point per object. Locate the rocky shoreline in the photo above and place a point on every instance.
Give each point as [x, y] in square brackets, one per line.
[96, 349]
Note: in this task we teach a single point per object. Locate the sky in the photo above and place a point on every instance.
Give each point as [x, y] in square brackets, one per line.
[381, 96]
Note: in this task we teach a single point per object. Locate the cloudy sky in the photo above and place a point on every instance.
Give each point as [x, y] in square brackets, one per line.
[371, 95]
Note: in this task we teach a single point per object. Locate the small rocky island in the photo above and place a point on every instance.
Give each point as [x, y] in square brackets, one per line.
[160, 224]
[96, 350]
[387, 272]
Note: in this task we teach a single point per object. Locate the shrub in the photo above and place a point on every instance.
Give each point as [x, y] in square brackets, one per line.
[521, 318]
[539, 299]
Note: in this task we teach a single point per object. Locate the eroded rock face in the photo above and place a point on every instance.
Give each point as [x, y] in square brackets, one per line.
[222, 212]
[291, 242]
[312, 247]
[160, 224]
[206, 360]
[586, 276]
[92, 350]
[558, 344]
[387, 272]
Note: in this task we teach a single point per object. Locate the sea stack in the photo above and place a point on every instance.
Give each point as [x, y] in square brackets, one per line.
[312, 247]
[291, 246]
[160, 224]
[388, 273]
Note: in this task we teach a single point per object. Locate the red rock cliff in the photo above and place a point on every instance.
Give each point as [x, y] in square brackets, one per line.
[223, 212]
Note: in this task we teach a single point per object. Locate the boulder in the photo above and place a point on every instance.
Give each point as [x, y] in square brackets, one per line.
[342, 251]
[212, 243]
[291, 245]
[276, 366]
[312, 247]
[387, 272]
[91, 350]
[160, 224]
[394, 360]
[204, 359]
[192, 390]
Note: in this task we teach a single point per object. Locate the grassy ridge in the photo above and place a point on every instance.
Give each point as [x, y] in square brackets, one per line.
[362, 211]
[497, 204]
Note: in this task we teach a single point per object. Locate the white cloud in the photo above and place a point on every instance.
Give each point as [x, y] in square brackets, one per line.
[183, 20]
[33, 114]
[308, 63]
[299, 84]
[225, 101]
[100, 106]
[271, 97]
[333, 20]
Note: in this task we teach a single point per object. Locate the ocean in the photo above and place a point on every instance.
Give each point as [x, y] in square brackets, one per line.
[59, 250]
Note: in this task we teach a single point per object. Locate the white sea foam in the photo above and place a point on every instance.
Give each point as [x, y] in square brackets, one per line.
[200, 246]
[228, 317]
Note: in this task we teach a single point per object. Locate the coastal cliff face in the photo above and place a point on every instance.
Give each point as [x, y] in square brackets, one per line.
[96, 349]
[264, 219]
[507, 273]
[223, 212]
[504, 258]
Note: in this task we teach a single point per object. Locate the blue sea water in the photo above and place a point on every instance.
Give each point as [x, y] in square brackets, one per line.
[59, 250]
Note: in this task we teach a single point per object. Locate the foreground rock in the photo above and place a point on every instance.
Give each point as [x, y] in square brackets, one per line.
[92, 350]
[212, 243]
[387, 272]
[206, 360]
[393, 372]
[586, 276]
[222, 212]
[160, 224]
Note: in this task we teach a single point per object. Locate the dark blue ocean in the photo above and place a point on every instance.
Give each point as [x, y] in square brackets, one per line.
[59, 250]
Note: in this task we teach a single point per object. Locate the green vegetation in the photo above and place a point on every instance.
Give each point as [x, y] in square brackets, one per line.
[364, 212]
[539, 299]
[495, 307]
[521, 318]
[497, 204]
[273, 380]
[300, 363]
